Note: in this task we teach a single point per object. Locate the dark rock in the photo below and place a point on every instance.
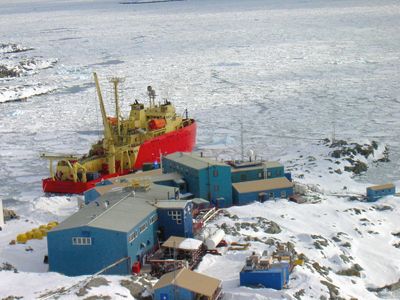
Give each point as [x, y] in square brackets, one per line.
[94, 282]
[336, 153]
[382, 207]
[273, 228]
[320, 241]
[299, 294]
[346, 244]
[390, 287]
[321, 269]
[385, 154]
[134, 288]
[8, 267]
[338, 143]
[98, 297]
[345, 258]
[357, 167]
[270, 241]
[326, 141]
[6, 72]
[353, 271]
[333, 289]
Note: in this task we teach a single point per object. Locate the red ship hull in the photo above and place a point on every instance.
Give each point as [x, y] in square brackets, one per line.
[182, 140]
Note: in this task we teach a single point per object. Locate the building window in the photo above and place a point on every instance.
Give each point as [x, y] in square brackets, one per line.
[176, 215]
[132, 236]
[283, 194]
[153, 219]
[81, 241]
[143, 227]
[215, 173]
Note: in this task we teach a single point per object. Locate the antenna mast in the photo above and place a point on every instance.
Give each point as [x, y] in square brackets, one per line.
[241, 131]
[152, 95]
[115, 81]
[241, 140]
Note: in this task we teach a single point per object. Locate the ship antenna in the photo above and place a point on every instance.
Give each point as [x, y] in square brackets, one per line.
[241, 132]
[152, 95]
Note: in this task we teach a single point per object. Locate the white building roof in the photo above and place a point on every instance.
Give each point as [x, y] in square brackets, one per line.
[176, 242]
[194, 161]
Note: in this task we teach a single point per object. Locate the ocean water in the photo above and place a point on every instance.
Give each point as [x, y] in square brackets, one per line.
[291, 71]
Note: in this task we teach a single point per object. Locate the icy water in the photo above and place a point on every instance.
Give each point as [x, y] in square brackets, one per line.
[292, 71]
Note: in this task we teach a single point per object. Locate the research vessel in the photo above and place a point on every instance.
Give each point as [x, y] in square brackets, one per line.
[149, 132]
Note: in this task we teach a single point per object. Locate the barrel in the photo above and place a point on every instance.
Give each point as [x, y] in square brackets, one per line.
[136, 268]
[22, 238]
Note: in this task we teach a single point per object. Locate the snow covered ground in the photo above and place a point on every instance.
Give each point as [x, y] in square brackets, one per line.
[293, 71]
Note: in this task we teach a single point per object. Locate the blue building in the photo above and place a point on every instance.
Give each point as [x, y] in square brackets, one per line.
[205, 178]
[261, 190]
[379, 191]
[274, 169]
[117, 225]
[250, 171]
[275, 276]
[175, 218]
[187, 285]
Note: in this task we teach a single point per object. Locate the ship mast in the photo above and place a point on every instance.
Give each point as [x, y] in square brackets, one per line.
[115, 81]
[108, 142]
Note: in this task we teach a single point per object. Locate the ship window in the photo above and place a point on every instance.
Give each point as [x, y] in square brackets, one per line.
[260, 175]
[178, 221]
[216, 188]
[283, 194]
[215, 173]
[81, 241]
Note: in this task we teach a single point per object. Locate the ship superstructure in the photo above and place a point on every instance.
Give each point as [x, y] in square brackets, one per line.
[143, 137]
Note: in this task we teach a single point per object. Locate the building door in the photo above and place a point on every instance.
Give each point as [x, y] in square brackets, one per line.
[262, 197]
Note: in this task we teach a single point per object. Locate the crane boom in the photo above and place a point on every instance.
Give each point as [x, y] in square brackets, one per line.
[107, 129]
[108, 138]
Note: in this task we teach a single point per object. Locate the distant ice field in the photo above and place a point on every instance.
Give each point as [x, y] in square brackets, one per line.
[292, 71]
